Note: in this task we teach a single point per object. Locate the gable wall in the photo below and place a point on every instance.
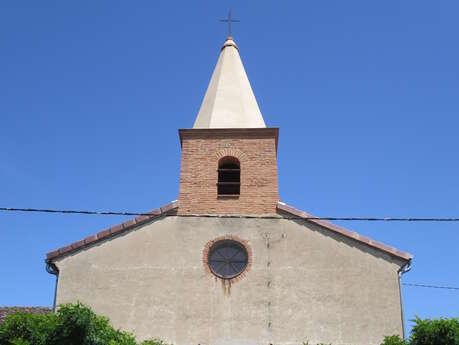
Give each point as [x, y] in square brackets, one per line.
[303, 283]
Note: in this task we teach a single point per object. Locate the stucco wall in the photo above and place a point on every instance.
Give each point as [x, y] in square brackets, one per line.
[304, 283]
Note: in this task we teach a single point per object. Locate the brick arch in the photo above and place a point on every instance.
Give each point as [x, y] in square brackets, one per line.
[241, 156]
[205, 257]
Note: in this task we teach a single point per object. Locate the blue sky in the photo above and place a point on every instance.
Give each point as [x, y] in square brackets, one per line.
[366, 95]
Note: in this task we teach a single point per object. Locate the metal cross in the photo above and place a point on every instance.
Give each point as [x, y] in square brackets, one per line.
[229, 20]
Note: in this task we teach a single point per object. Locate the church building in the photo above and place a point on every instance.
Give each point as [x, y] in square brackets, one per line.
[228, 262]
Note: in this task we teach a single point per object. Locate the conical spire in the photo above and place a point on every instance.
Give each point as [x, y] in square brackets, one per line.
[229, 101]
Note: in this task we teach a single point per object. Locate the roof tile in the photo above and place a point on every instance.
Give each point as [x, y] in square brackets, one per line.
[155, 212]
[116, 229]
[90, 239]
[65, 249]
[103, 233]
[354, 235]
[52, 254]
[78, 244]
[128, 223]
[141, 219]
[112, 231]
[5, 311]
[169, 207]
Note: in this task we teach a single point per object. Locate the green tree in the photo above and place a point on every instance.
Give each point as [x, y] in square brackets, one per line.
[73, 324]
[78, 325]
[435, 332]
[26, 329]
[394, 340]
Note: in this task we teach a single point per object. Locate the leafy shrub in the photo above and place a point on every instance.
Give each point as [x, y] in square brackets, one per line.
[435, 332]
[429, 332]
[73, 324]
[24, 328]
[76, 324]
[394, 340]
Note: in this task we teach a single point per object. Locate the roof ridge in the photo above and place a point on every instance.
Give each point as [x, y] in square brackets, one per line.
[111, 231]
[345, 232]
[5, 311]
[168, 208]
[24, 307]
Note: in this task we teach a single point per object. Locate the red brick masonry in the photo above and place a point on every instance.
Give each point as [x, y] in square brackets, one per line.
[256, 150]
[205, 256]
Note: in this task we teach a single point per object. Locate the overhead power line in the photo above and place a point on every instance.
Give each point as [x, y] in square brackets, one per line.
[128, 213]
[432, 286]
[99, 213]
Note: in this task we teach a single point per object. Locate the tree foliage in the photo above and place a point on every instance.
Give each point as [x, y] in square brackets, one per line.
[429, 332]
[435, 332]
[394, 340]
[73, 324]
[27, 329]
[76, 324]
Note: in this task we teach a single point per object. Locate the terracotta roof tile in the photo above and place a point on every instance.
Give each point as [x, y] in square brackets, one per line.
[141, 219]
[5, 311]
[114, 230]
[169, 208]
[103, 233]
[157, 211]
[90, 239]
[128, 223]
[335, 228]
[78, 244]
[52, 254]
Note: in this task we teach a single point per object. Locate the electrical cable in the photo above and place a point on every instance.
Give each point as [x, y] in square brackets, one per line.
[128, 213]
[431, 286]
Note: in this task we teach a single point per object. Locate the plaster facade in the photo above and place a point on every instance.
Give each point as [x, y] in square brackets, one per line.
[304, 283]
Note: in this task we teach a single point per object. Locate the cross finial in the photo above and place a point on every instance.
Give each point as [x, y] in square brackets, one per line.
[229, 20]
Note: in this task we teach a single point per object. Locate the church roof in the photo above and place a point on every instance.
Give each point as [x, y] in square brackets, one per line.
[171, 209]
[168, 209]
[229, 101]
[5, 311]
[345, 232]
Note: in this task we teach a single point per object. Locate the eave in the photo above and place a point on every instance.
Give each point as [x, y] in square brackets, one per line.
[404, 256]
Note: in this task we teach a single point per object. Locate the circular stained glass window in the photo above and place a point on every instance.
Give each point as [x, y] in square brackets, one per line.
[227, 259]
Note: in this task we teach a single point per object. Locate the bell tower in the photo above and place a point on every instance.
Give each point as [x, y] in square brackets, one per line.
[229, 163]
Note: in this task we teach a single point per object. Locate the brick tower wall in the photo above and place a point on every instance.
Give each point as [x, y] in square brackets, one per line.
[256, 151]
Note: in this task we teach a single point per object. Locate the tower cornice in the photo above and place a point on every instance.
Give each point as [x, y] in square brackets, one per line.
[220, 133]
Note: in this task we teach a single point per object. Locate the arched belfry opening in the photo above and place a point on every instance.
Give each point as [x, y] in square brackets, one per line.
[229, 122]
[229, 177]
